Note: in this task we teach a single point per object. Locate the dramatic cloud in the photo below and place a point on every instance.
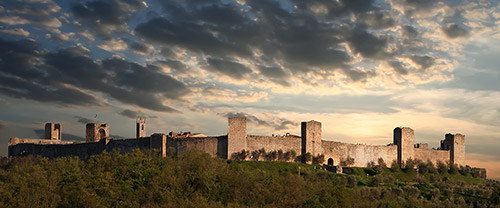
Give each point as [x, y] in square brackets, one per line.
[84, 120]
[229, 68]
[111, 44]
[106, 17]
[135, 114]
[16, 31]
[69, 76]
[274, 122]
[141, 48]
[454, 31]
[30, 12]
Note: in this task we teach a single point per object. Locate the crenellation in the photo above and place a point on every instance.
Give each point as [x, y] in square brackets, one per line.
[97, 140]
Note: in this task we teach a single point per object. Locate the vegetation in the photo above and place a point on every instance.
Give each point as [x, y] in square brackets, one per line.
[195, 179]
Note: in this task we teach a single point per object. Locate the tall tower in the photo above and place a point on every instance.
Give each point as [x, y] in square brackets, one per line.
[53, 131]
[311, 137]
[140, 128]
[236, 135]
[96, 132]
[404, 138]
[456, 144]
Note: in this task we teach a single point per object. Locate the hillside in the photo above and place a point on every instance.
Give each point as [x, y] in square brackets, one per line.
[197, 180]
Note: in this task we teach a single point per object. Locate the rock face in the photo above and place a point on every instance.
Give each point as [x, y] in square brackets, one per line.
[231, 145]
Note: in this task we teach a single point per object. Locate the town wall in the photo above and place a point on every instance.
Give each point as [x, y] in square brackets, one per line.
[271, 143]
[225, 146]
[425, 154]
[214, 146]
[362, 154]
[85, 150]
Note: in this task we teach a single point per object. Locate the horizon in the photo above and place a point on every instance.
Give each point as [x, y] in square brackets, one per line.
[361, 68]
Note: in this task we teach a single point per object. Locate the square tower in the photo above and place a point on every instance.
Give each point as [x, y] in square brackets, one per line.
[53, 131]
[456, 144]
[140, 128]
[236, 135]
[96, 132]
[311, 137]
[404, 138]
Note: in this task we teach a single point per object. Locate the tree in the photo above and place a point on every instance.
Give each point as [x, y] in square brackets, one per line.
[395, 166]
[320, 159]
[347, 162]
[441, 167]
[422, 167]
[409, 165]
[306, 157]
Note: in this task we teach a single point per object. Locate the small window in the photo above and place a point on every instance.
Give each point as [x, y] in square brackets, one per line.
[142, 127]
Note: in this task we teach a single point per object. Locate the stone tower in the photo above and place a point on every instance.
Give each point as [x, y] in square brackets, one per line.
[53, 131]
[140, 128]
[95, 132]
[455, 143]
[311, 137]
[404, 137]
[236, 135]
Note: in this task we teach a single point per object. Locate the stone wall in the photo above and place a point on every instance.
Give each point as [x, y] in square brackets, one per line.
[432, 155]
[215, 146]
[270, 143]
[85, 150]
[362, 154]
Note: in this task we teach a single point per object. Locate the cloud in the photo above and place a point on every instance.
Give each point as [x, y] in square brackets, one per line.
[229, 68]
[16, 31]
[112, 44]
[70, 77]
[106, 17]
[141, 48]
[454, 31]
[84, 120]
[135, 114]
[270, 121]
[3, 124]
[35, 13]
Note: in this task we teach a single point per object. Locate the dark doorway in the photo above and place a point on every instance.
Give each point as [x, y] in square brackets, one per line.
[330, 161]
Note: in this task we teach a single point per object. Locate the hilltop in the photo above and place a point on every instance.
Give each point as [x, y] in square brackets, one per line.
[196, 179]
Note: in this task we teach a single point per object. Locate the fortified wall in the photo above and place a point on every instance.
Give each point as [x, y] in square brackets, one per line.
[229, 146]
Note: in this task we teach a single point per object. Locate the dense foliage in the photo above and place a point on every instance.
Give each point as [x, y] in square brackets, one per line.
[195, 179]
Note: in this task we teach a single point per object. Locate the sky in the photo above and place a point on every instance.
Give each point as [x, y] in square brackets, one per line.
[361, 67]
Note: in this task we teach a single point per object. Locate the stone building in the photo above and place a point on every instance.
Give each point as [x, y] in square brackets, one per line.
[231, 145]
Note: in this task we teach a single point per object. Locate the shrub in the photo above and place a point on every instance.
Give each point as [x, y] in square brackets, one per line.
[422, 167]
[377, 180]
[409, 165]
[306, 157]
[255, 155]
[281, 155]
[380, 166]
[430, 167]
[453, 169]
[395, 166]
[271, 156]
[465, 170]
[441, 167]
[351, 181]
